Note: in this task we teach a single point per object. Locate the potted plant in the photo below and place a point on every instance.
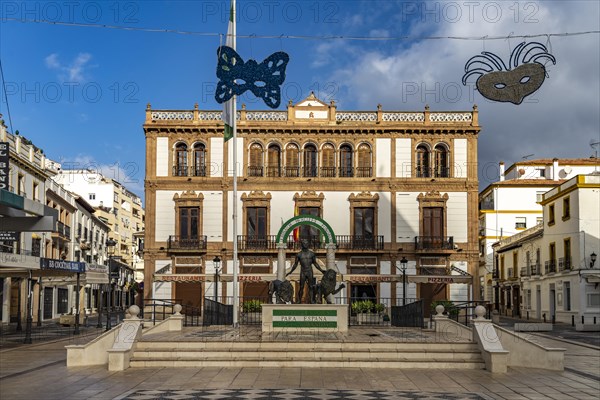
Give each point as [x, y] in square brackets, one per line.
[252, 310]
[363, 309]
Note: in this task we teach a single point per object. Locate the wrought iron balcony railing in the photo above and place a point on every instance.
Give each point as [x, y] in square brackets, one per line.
[364, 172]
[550, 266]
[195, 170]
[63, 230]
[187, 243]
[536, 269]
[328, 172]
[525, 271]
[564, 263]
[344, 242]
[254, 170]
[434, 242]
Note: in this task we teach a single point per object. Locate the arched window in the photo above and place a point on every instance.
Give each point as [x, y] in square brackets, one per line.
[274, 160]
[292, 162]
[364, 169]
[422, 170]
[256, 160]
[441, 169]
[328, 161]
[199, 159]
[310, 160]
[181, 160]
[346, 161]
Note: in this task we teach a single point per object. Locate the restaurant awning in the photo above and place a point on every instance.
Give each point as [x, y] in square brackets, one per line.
[352, 278]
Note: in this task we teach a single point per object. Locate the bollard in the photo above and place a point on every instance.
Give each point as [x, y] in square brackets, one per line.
[594, 320]
[572, 320]
[544, 317]
[582, 320]
[527, 315]
[553, 319]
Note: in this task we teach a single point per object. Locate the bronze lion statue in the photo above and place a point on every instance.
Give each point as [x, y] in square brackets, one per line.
[327, 286]
[283, 290]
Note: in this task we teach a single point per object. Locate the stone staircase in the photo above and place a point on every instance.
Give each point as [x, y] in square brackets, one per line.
[307, 354]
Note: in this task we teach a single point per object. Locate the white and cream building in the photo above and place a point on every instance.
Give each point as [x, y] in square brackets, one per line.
[550, 271]
[513, 204]
[391, 185]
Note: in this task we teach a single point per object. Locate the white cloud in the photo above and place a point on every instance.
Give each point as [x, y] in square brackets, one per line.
[557, 120]
[74, 71]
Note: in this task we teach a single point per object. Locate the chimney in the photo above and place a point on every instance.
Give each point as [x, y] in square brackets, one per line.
[501, 171]
[555, 169]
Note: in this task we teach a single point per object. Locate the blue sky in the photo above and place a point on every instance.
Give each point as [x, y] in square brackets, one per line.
[80, 92]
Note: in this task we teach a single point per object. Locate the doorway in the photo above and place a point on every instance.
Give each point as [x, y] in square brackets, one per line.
[552, 301]
[48, 297]
[538, 302]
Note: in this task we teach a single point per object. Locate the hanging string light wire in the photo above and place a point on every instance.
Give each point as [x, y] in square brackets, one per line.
[303, 37]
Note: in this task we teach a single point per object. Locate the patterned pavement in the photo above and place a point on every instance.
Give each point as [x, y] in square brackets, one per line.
[291, 394]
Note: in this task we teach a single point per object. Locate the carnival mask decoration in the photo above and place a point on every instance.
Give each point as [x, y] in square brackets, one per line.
[524, 75]
[263, 80]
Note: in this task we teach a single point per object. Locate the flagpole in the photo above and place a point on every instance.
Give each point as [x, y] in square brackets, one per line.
[235, 193]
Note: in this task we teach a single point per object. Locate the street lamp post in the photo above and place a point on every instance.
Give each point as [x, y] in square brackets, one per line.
[403, 263]
[29, 319]
[110, 243]
[217, 264]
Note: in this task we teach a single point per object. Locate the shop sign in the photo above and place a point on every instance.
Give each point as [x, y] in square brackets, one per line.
[9, 236]
[439, 279]
[4, 165]
[61, 265]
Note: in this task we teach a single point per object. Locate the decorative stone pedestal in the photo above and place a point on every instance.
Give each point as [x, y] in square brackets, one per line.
[304, 317]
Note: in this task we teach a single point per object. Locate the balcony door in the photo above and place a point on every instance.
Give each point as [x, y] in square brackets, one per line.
[433, 227]
[188, 224]
[308, 232]
[256, 226]
[364, 227]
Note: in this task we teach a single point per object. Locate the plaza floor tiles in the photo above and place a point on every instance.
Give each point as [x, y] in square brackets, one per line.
[292, 394]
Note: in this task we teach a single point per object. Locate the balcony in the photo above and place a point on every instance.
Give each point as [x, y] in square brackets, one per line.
[564, 264]
[536, 269]
[550, 266]
[525, 272]
[198, 170]
[344, 242]
[328, 172]
[177, 243]
[434, 243]
[509, 273]
[63, 230]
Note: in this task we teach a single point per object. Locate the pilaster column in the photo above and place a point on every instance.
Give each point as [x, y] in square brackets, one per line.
[281, 247]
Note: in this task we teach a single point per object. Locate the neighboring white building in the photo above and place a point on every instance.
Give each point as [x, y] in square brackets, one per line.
[512, 204]
[550, 271]
[115, 205]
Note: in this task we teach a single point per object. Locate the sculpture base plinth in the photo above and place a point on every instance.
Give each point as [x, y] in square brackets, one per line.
[304, 317]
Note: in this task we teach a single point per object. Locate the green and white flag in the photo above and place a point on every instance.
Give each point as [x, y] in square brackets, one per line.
[228, 107]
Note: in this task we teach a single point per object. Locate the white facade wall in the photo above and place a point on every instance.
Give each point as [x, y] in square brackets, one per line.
[240, 157]
[403, 158]
[456, 217]
[565, 171]
[162, 290]
[383, 168]
[460, 158]
[336, 211]
[162, 156]
[384, 222]
[282, 209]
[86, 183]
[212, 217]
[165, 215]
[216, 157]
[407, 216]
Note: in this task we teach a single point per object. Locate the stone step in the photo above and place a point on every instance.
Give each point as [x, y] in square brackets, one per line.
[310, 363]
[303, 355]
[306, 346]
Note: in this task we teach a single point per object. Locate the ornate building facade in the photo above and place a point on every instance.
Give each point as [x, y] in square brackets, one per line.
[399, 189]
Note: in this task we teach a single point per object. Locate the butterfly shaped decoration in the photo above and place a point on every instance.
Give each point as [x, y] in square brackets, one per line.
[263, 80]
[524, 75]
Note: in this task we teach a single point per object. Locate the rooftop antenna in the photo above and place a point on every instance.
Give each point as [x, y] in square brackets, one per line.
[527, 156]
[595, 146]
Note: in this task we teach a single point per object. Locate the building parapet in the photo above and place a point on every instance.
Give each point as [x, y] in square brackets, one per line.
[426, 117]
[502, 244]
